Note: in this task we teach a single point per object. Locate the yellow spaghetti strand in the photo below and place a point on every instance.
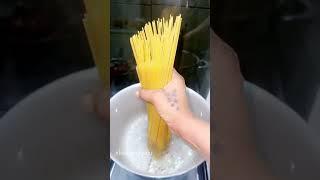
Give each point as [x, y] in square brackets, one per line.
[154, 49]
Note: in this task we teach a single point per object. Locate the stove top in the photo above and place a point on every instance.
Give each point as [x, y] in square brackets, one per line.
[118, 173]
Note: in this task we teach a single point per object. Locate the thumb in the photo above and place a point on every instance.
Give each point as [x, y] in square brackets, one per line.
[146, 95]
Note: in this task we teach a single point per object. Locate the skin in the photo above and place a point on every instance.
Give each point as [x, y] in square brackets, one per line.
[235, 153]
[172, 105]
[235, 150]
[96, 102]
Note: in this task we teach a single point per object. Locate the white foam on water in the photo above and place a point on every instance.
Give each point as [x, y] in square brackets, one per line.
[137, 155]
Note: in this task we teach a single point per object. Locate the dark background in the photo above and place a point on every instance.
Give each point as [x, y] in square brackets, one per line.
[40, 41]
[277, 42]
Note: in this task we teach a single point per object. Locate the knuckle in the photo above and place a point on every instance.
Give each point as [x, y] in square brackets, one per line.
[181, 79]
[152, 95]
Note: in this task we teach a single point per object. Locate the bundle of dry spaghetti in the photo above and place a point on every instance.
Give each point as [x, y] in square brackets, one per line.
[96, 23]
[154, 49]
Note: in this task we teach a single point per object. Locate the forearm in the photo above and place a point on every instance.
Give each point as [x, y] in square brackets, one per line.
[236, 153]
[230, 113]
[197, 133]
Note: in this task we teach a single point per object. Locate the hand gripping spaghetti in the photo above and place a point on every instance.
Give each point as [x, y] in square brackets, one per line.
[154, 49]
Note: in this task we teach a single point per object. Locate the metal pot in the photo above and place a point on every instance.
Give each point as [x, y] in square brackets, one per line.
[195, 71]
[122, 74]
[125, 109]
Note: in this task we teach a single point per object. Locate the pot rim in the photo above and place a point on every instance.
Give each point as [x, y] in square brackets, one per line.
[178, 173]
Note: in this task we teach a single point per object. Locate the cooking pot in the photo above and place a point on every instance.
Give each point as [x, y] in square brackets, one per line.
[125, 110]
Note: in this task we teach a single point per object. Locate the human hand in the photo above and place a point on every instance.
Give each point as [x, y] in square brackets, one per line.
[96, 102]
[171, 102]
[172, 105]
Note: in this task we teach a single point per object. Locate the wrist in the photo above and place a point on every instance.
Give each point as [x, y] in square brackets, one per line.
[185, 125]
[182, 120]
[195, 132]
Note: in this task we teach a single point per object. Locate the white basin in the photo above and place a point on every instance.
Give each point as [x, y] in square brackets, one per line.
[48, 135]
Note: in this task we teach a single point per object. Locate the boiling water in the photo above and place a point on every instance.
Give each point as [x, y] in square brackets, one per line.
[135, 151]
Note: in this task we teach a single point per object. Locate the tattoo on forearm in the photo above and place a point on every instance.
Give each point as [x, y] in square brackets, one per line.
[172, 99]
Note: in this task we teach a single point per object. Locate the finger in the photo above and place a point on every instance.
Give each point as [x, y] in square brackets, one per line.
[177, 76]
[175, 72]
[146, 95]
